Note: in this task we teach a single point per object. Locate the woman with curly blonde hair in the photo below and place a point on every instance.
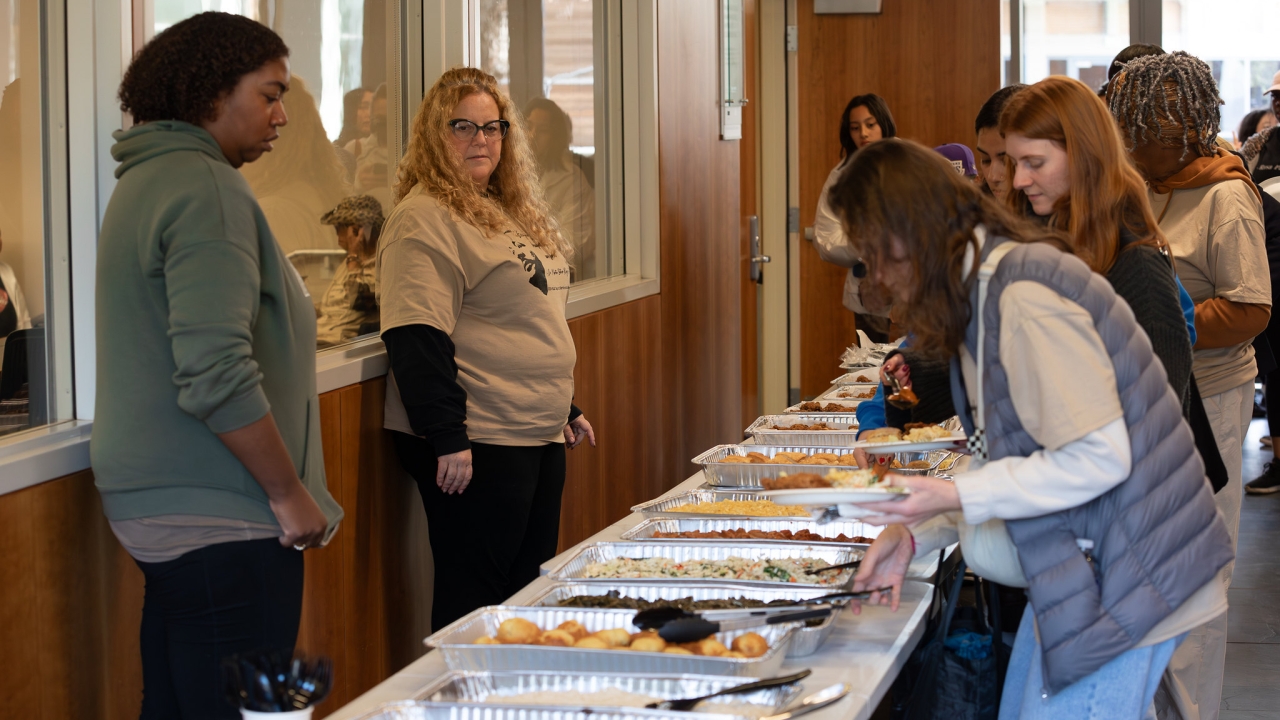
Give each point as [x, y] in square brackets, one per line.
[473, 277]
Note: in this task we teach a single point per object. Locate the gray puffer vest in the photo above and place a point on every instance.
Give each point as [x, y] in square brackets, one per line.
[1157, 536]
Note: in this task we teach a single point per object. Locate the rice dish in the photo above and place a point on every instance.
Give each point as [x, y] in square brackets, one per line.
[787, 570]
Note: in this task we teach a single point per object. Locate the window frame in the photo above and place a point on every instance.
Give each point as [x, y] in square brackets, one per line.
[1145, 26]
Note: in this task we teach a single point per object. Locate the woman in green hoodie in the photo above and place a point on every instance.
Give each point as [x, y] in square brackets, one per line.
[206, 445]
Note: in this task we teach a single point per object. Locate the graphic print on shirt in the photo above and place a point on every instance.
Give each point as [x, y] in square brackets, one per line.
[532, 263]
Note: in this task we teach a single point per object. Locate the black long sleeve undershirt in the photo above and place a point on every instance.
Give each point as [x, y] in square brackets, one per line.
[422, 358]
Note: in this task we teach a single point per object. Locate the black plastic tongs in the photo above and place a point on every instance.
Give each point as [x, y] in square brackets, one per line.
[655, 618]
[693, 629]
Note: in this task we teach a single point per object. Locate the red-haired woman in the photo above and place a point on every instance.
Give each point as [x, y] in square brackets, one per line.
[1093, 498]
[1070, 168]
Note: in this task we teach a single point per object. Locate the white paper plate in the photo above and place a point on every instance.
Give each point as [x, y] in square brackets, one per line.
[834, 496]
[956, 441]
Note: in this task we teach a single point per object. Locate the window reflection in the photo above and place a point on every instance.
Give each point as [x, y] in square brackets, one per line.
[543, 55]
[23, 384]
[332, 156]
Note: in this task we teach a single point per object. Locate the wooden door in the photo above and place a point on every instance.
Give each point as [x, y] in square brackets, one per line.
[749, 181]
[935, 63]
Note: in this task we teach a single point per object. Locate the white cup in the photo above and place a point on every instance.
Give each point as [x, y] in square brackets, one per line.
[303, 714]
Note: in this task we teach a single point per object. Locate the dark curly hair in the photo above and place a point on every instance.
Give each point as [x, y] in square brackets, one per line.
[183, 71]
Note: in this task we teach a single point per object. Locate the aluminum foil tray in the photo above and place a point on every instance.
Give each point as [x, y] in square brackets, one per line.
[850, 528]
[833, 395]
[489, 688]
[846, 433]
[933, 457]
[872, 375]
[750, 475]
[416, 710]
[806, 640]
[852, 406]
[662, 507]
[456, 643]
[574, 568]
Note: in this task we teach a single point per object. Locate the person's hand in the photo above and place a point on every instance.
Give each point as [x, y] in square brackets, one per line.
[864, 461]
[300, 518]
[896, 367]
[453, 472]
[929, 497]
[575, 431]
[885, 565]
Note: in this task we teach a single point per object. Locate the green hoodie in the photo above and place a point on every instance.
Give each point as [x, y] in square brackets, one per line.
[203, 327]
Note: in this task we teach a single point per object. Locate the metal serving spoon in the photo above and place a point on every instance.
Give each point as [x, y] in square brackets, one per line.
[689, 703]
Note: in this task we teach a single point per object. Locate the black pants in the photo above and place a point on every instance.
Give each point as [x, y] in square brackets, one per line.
[213, 602]
[488, 541]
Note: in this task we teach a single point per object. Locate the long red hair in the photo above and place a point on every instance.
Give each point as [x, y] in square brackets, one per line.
[1107, 195]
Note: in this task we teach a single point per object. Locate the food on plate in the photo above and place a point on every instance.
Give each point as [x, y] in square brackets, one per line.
[619, 639]
[751, 645]
[802, 426]
[863, 379]
[518, 631]
[833, 479]
[796, 456]
[798, 481]
[848, 459]
[881, 435]
[926, 433]
[919, 465]
[799, 535]
[787, 570]
[756, 508]
[817, 407]
[852, 393]
[756, 457]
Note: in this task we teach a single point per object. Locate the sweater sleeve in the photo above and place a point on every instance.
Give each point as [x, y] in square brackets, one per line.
[828, 231]
[871, 413]
[1143, 277]
[422, 358]
[1223, 323]
[212, 284]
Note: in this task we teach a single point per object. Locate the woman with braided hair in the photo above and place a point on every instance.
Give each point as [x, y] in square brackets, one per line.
[1211, 213]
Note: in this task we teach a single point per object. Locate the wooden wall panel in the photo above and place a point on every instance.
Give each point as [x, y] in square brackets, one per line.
[617, 385]
[701, 228]
[935, 63]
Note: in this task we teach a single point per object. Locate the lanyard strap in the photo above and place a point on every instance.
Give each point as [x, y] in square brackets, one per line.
[978, 441]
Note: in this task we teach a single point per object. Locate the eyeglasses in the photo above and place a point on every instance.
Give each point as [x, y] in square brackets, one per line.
[466, 130]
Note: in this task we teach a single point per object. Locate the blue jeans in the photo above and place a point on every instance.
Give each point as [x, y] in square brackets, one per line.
[1120, 690]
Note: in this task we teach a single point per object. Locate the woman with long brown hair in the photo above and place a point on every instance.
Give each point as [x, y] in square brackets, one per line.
[1085, 488]
[1069, 167]
[473, 278]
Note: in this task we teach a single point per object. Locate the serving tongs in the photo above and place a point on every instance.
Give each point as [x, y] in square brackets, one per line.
[684, 704]
[901, 398]
[655, 618]
[693, 629]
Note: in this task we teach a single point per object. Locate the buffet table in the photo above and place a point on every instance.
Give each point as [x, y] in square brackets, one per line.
[867, 651]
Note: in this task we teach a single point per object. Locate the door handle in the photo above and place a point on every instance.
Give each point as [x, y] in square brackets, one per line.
[757, 259]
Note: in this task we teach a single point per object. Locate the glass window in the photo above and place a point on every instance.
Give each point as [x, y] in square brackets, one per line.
[544, 55]
[24, 383]
[1077, 38]
[338, 143]
[1244, 59]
